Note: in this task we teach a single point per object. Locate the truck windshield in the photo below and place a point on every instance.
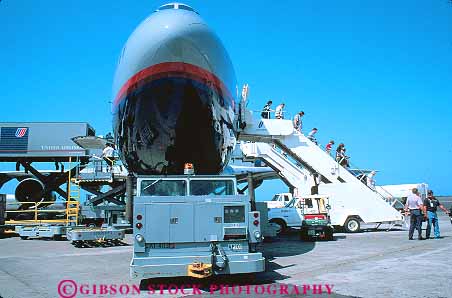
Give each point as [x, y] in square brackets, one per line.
[291, 203]
[212, 187]
[160, 187]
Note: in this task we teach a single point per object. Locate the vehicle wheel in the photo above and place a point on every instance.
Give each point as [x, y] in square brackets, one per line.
[282, 227]
[57, 237]
[304, 235]
[352, 225]
[24, 237]
[329, 235]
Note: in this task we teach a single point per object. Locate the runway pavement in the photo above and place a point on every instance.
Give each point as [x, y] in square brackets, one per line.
[368, 264]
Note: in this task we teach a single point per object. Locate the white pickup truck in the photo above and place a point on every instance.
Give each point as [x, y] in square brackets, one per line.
[298, 210]
[280, 200]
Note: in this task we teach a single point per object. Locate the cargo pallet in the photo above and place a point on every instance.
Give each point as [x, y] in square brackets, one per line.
[79, 236]
[43, 231]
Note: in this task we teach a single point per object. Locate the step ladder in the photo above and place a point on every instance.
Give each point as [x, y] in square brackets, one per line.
[73, 193]
[296, 158]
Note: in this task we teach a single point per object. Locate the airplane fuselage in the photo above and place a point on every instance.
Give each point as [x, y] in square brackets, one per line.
[175, 96]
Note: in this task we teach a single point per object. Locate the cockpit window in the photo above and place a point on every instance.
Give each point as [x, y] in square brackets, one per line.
[185, 7]
[176, 6]
[169, 6]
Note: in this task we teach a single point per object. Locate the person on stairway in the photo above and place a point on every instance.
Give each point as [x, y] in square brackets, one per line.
[311, 136]
[329, 147]
[279, 113]
[298, 122]
[266, 110]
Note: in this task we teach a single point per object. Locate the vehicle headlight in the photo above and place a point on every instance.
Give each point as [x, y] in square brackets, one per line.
[257, 234]
[139, 238]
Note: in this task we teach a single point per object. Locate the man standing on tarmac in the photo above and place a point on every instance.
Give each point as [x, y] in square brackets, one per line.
[431, 204]
[415, 206]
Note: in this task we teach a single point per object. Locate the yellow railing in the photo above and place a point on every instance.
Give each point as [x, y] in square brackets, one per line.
[70, 213]
[73, 190]
[73, 195]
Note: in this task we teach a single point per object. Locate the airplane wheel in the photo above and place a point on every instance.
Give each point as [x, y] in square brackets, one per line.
[352, 225]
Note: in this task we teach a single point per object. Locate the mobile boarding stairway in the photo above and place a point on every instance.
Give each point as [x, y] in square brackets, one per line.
[302, 165]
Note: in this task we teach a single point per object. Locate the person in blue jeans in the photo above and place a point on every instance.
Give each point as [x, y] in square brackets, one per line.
[431, 205]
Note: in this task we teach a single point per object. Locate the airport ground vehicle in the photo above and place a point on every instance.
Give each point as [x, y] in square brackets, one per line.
[280, 200]
[308, 169]
[81, 235]
[309, 214]
[316, 219]
[193, 226]
[54, 232]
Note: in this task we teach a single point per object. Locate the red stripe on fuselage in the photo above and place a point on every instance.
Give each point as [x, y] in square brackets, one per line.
[173, 69]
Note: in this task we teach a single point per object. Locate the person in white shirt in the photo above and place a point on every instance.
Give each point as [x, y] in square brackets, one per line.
[279, 113]
[298, 122]
[108, 155]
[415, 206]
[311, 135]
[370, 181]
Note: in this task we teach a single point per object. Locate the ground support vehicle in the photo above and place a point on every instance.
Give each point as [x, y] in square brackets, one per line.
[193, 226]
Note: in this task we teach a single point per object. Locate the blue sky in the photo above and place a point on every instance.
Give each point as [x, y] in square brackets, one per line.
[376, 75]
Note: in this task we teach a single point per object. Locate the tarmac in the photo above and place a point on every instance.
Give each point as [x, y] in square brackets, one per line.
[368, 264]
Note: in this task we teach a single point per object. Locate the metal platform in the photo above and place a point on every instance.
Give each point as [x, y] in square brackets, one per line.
[83, 234]
[46, 231]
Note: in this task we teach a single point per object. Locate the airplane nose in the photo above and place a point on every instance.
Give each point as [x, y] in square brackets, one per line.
[173, 102]
[165, 36]
[176, 48]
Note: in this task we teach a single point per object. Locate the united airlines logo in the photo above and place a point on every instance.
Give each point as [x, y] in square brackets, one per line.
[20, 132]
[14, 139]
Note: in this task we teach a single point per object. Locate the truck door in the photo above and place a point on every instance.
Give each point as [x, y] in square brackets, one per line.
[208, 228]
[181, 228]
[298, 213]
[292, 214]
[157, 222]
